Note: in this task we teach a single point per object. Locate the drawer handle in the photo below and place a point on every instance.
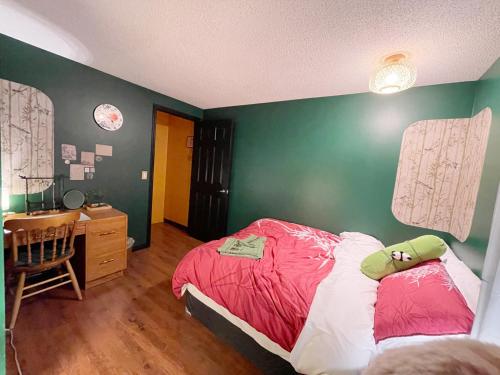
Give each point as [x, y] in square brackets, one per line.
[107, 261]
[107, 233]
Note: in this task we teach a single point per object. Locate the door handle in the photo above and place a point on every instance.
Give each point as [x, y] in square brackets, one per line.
[224, 191]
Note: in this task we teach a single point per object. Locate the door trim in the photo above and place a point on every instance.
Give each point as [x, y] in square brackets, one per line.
[156, 108]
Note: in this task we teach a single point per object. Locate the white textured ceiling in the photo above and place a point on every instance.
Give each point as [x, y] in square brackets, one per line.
[214, 53]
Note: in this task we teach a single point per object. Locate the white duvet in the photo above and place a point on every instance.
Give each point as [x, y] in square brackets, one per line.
[337, 337]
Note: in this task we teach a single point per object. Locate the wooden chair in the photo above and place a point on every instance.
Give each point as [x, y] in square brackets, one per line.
[38, 245]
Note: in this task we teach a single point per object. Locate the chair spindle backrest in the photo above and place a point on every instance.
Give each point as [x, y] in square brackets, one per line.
[39, 230]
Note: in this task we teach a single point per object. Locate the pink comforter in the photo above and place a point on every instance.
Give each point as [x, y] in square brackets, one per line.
[272, 294]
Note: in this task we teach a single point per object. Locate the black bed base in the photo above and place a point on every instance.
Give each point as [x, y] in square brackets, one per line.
[264, 360]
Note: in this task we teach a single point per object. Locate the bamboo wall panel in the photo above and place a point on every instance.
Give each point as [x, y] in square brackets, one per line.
[27, 137]
[439, 172]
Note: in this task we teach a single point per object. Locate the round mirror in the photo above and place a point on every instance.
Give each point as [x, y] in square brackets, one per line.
[73, 199]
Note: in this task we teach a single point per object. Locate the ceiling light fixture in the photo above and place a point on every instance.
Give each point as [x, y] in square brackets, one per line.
[395, 74]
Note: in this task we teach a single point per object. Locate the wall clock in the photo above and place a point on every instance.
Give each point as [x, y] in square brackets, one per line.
[108, 117]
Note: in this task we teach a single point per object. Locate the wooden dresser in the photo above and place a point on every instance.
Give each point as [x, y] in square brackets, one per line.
[105, 244]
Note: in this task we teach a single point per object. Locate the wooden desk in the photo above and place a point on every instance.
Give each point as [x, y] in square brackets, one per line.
[100, 246]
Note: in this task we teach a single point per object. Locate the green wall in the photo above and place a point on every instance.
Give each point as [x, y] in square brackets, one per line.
[76, 90]
[487, 95]
[331, 162]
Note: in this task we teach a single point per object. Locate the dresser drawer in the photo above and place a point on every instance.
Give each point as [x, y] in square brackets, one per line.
[106, 236]
[105, 264]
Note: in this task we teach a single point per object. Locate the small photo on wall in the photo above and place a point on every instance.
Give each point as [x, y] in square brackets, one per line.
[87, 158]
[103, 150]
[68, 152]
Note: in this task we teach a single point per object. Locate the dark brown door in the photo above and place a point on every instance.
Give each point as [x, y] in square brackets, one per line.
[211, 168]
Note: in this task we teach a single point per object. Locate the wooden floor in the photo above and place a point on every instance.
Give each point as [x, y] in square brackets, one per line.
[132, 325]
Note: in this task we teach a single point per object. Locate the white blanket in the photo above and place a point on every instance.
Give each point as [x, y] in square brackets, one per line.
[337, 337]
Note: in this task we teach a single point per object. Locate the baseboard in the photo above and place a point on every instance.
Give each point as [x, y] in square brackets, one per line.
[177, 225]
[139, 247]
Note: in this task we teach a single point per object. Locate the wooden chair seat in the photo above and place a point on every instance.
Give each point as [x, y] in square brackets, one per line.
[41, 244]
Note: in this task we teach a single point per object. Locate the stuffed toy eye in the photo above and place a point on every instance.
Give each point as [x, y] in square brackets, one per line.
[401, 256]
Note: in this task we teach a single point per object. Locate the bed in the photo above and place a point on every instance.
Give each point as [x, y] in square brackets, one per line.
[306, 307]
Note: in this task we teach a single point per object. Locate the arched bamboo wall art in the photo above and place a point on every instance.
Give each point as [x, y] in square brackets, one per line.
[27, 137]
[439, 172]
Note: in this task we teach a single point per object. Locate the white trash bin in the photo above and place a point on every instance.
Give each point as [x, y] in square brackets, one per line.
[130, 243]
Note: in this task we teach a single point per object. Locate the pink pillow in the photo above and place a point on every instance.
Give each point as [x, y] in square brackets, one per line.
[420, 301]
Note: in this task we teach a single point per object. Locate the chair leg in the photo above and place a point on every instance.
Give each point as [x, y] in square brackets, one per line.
[9, 280]
[10, 277]
[74, 281]
[17, 301]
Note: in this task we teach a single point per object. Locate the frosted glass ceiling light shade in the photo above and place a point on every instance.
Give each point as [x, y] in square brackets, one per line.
[395, 74]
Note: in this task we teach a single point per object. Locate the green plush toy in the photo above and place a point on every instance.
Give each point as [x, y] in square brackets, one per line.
[402, 256]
